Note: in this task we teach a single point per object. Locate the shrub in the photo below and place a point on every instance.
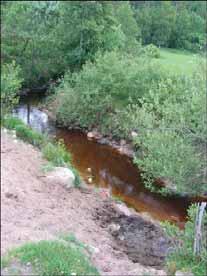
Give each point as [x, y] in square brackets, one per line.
[152, 51]
[172, 134]
[93, 95]
[167, 155]
[10, 85]
[182, 257]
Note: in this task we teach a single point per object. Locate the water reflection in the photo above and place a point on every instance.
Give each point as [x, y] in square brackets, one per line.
[117, 172]
[29, 113]
[33, 117]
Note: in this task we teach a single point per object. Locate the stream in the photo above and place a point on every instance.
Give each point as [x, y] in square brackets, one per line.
[108, 168]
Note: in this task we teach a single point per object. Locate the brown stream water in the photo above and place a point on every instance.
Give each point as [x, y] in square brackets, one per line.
[109, 168]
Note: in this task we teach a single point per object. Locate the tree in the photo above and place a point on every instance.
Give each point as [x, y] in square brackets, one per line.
[174, 24]
[10, 85]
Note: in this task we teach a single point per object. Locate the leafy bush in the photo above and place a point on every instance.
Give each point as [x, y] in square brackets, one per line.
[10, 85]
[182, 257]
[90, 97]
[172, 134]
[152, 51]
[168, 156]
[52, 258]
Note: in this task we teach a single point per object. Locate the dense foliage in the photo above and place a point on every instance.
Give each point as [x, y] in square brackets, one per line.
[173, 24]
[48, 37]
[172, 133]
[10, 85]
[91, 96]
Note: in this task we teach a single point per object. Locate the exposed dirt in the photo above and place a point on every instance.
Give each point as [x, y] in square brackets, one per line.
[144, 241]
[33, 210]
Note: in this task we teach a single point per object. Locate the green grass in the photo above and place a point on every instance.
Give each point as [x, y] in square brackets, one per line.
[24, 132]
[56, 154]
[178, 61]
[52, 258]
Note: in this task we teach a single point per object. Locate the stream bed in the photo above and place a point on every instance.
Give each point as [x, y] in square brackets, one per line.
[103, 166]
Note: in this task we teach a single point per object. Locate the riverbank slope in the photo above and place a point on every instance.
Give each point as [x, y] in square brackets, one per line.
[33, 210]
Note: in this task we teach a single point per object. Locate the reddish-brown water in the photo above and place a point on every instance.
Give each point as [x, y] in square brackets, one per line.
[118, 173]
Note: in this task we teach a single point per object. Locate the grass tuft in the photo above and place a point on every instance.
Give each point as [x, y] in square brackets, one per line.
[52, 258]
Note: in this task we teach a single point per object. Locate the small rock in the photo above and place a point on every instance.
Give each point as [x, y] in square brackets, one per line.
[123, 209]
[60, 175]
[121, 238]
[122, 142]
[94, 134]
[103, 141]
[90, 134]
[94, 249]
[134, 134]
[183, 273]
[113, 228]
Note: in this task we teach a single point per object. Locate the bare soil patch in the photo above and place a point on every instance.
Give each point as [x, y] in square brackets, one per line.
[143, 241]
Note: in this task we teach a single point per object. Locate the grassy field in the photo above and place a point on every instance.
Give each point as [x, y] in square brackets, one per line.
[178, 61]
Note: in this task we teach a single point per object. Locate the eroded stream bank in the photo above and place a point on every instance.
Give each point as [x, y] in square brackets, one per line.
[108, 168]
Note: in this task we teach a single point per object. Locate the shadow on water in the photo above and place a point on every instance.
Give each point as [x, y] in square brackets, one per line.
[109, 168]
